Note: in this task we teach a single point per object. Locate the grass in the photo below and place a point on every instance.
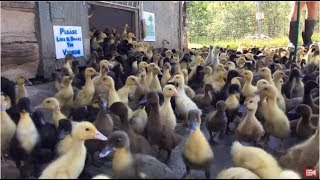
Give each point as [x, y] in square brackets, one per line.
[276, 42]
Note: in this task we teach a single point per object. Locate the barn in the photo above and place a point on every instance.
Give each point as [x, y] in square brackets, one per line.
[28, 38]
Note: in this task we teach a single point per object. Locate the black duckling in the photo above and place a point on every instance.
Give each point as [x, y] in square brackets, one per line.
[47, 131]
[197, 153]
[216, 121]
[308, 99]
[25, 145]
[223, 94]
[287, 87]
[138, 143]
[127, 165]
[232, 104]
[157, 133]
[83, 113]
[196, 82]
[204, 100]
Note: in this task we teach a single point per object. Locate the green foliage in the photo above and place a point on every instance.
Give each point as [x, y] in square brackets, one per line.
[276, 42]
[232, 21]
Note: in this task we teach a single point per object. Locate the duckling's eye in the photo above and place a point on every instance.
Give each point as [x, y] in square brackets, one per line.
[251, 102]
[170, 89]
[119, 140]
[48, 102]
[87, 129]
[262, 70]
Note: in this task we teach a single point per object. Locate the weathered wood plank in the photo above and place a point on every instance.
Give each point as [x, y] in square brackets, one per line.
[19, 53]
[13, 70]
[25, 6]
[18, 37]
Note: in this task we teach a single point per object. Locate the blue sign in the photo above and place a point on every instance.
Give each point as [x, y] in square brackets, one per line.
[68, 39]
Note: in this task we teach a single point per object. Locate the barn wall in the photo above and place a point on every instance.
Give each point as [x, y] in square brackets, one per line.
[167, 22]
[19, 44]
[71, 13]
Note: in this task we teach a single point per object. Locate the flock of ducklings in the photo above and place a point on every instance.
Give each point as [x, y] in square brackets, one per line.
[129, 111]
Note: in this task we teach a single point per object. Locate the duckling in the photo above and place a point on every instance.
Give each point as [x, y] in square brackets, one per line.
[265, 72]
[308, 99]
[204, 100]
[199, 61]
[123, 92]
[223, 93]
[71, 164]
[166, 74]
[104, 124]
[232, 104]
[150, 72]
[139, 120]
[113, 96]
[304, 127]
[197, 153]
[230, 66]
[276, 122]
[53, 105]
[216, 121]
[8, 127]
[185, 75]
[65, 95]
[218, 80]
[25, 144]
[183, 103]
[277, 78]
[21, 90]
[85, 95]
[287, 87]
[237, 173]
[256, 160]
[100, 89]
[166, 112]
[155, 83]
[248, 90]
[300, 156]
[128, 165]
[157, 132]
[207, 75]
[250, 129]
[68, 59]
[140, 90]
[138, 143]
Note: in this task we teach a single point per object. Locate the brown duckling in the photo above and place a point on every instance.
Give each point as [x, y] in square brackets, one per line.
[157, 133]
[204, 100]
[104, 124]
[197, 153]
[250, 129]
[138, 143]
[130, 165]
[216, 121]
[304, 128]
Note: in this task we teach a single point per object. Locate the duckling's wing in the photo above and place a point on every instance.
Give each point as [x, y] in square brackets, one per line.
[148, 167]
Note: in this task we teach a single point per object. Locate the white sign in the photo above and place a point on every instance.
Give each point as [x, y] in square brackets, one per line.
[259, 15]
[68, 39]
[150, 26]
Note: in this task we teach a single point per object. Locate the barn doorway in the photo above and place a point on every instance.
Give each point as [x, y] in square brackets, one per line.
[105, 15]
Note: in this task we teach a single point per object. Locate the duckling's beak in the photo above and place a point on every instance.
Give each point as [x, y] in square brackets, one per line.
[104, 104]
[143, 101]
[193, 125]
[176, 93]
[62, 134]
[28, 82]
[258, 92]
[96, 74]
[39, 106]
[100, 136]
[242, 108]
[240, 75]
[3, 107]
[110, 66]
[138, 84]
[171, 81]
[106, 151]
[256, 73]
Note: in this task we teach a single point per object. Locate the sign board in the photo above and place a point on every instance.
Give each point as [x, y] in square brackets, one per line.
[259, 15]
[68, 39]
[150, 26]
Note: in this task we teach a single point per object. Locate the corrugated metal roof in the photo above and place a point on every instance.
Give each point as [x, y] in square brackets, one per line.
[130, 4]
